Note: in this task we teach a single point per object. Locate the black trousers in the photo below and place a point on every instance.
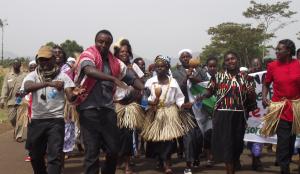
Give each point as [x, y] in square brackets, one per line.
[193, 142]
[126, 142]
[99, 129]
[285, 144]
[46, 135]
[161, 150]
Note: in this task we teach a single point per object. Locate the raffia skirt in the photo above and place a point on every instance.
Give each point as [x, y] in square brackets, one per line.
[272, 118]
[167, 123]
[161, 129]
[129, 117]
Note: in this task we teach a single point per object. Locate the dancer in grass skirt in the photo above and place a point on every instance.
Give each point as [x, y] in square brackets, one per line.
[130, 115]
[164, 121]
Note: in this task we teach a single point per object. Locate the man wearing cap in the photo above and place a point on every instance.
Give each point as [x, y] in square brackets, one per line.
[100, 72]
[9, 95]
[46, 130]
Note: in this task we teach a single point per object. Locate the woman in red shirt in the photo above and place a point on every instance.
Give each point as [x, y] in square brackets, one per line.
[284, 73]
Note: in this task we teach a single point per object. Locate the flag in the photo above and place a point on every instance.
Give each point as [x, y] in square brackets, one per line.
[207, 104]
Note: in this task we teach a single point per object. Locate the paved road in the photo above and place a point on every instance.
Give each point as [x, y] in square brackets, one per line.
[12, 162]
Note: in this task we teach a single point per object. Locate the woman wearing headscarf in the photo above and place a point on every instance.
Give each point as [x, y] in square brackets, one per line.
[235, 93]
[70, 113]
[164, 122]
[186, 75]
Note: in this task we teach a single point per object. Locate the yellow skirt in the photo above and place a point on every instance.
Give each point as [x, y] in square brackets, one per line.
[167, 123]
[272, 118]
[130, 116]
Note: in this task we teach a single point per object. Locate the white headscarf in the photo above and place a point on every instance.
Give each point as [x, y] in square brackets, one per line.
[71, 60]
[32, 63]
[185, 50]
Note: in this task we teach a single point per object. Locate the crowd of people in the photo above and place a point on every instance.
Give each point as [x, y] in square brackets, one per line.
[106, 101]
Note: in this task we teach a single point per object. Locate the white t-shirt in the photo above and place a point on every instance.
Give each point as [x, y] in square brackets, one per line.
[53, 106]
[173, 96]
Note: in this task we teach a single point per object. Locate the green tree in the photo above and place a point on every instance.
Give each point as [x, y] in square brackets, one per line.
[270, 14]
[241, 38]
[211, 50]
[270, 17]
[50, 44]
[71, 47]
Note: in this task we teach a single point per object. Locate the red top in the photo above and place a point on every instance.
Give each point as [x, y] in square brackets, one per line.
[286, 84]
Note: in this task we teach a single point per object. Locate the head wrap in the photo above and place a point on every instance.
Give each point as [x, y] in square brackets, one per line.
[185, 50]
[71, 60]
[166, 59]
[32, 63]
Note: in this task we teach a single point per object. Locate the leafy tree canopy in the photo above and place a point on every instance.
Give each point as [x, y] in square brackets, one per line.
[241, 38]
[269, 14]
[71, 47]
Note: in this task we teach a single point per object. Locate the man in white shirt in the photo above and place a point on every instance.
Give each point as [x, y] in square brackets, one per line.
[46, 130]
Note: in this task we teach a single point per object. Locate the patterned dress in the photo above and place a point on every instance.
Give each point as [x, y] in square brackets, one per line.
[229, 122]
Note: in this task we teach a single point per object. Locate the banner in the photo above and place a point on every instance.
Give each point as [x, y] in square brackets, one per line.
[254, 122]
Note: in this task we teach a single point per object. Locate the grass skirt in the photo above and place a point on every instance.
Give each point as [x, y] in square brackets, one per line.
[130, 116]
[272, 118]
[167, 123]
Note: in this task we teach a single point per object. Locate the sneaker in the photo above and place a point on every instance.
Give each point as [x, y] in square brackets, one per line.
[187, 171]
[27, 159]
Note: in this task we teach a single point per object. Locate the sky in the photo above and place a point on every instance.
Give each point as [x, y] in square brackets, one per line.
[152, 26]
